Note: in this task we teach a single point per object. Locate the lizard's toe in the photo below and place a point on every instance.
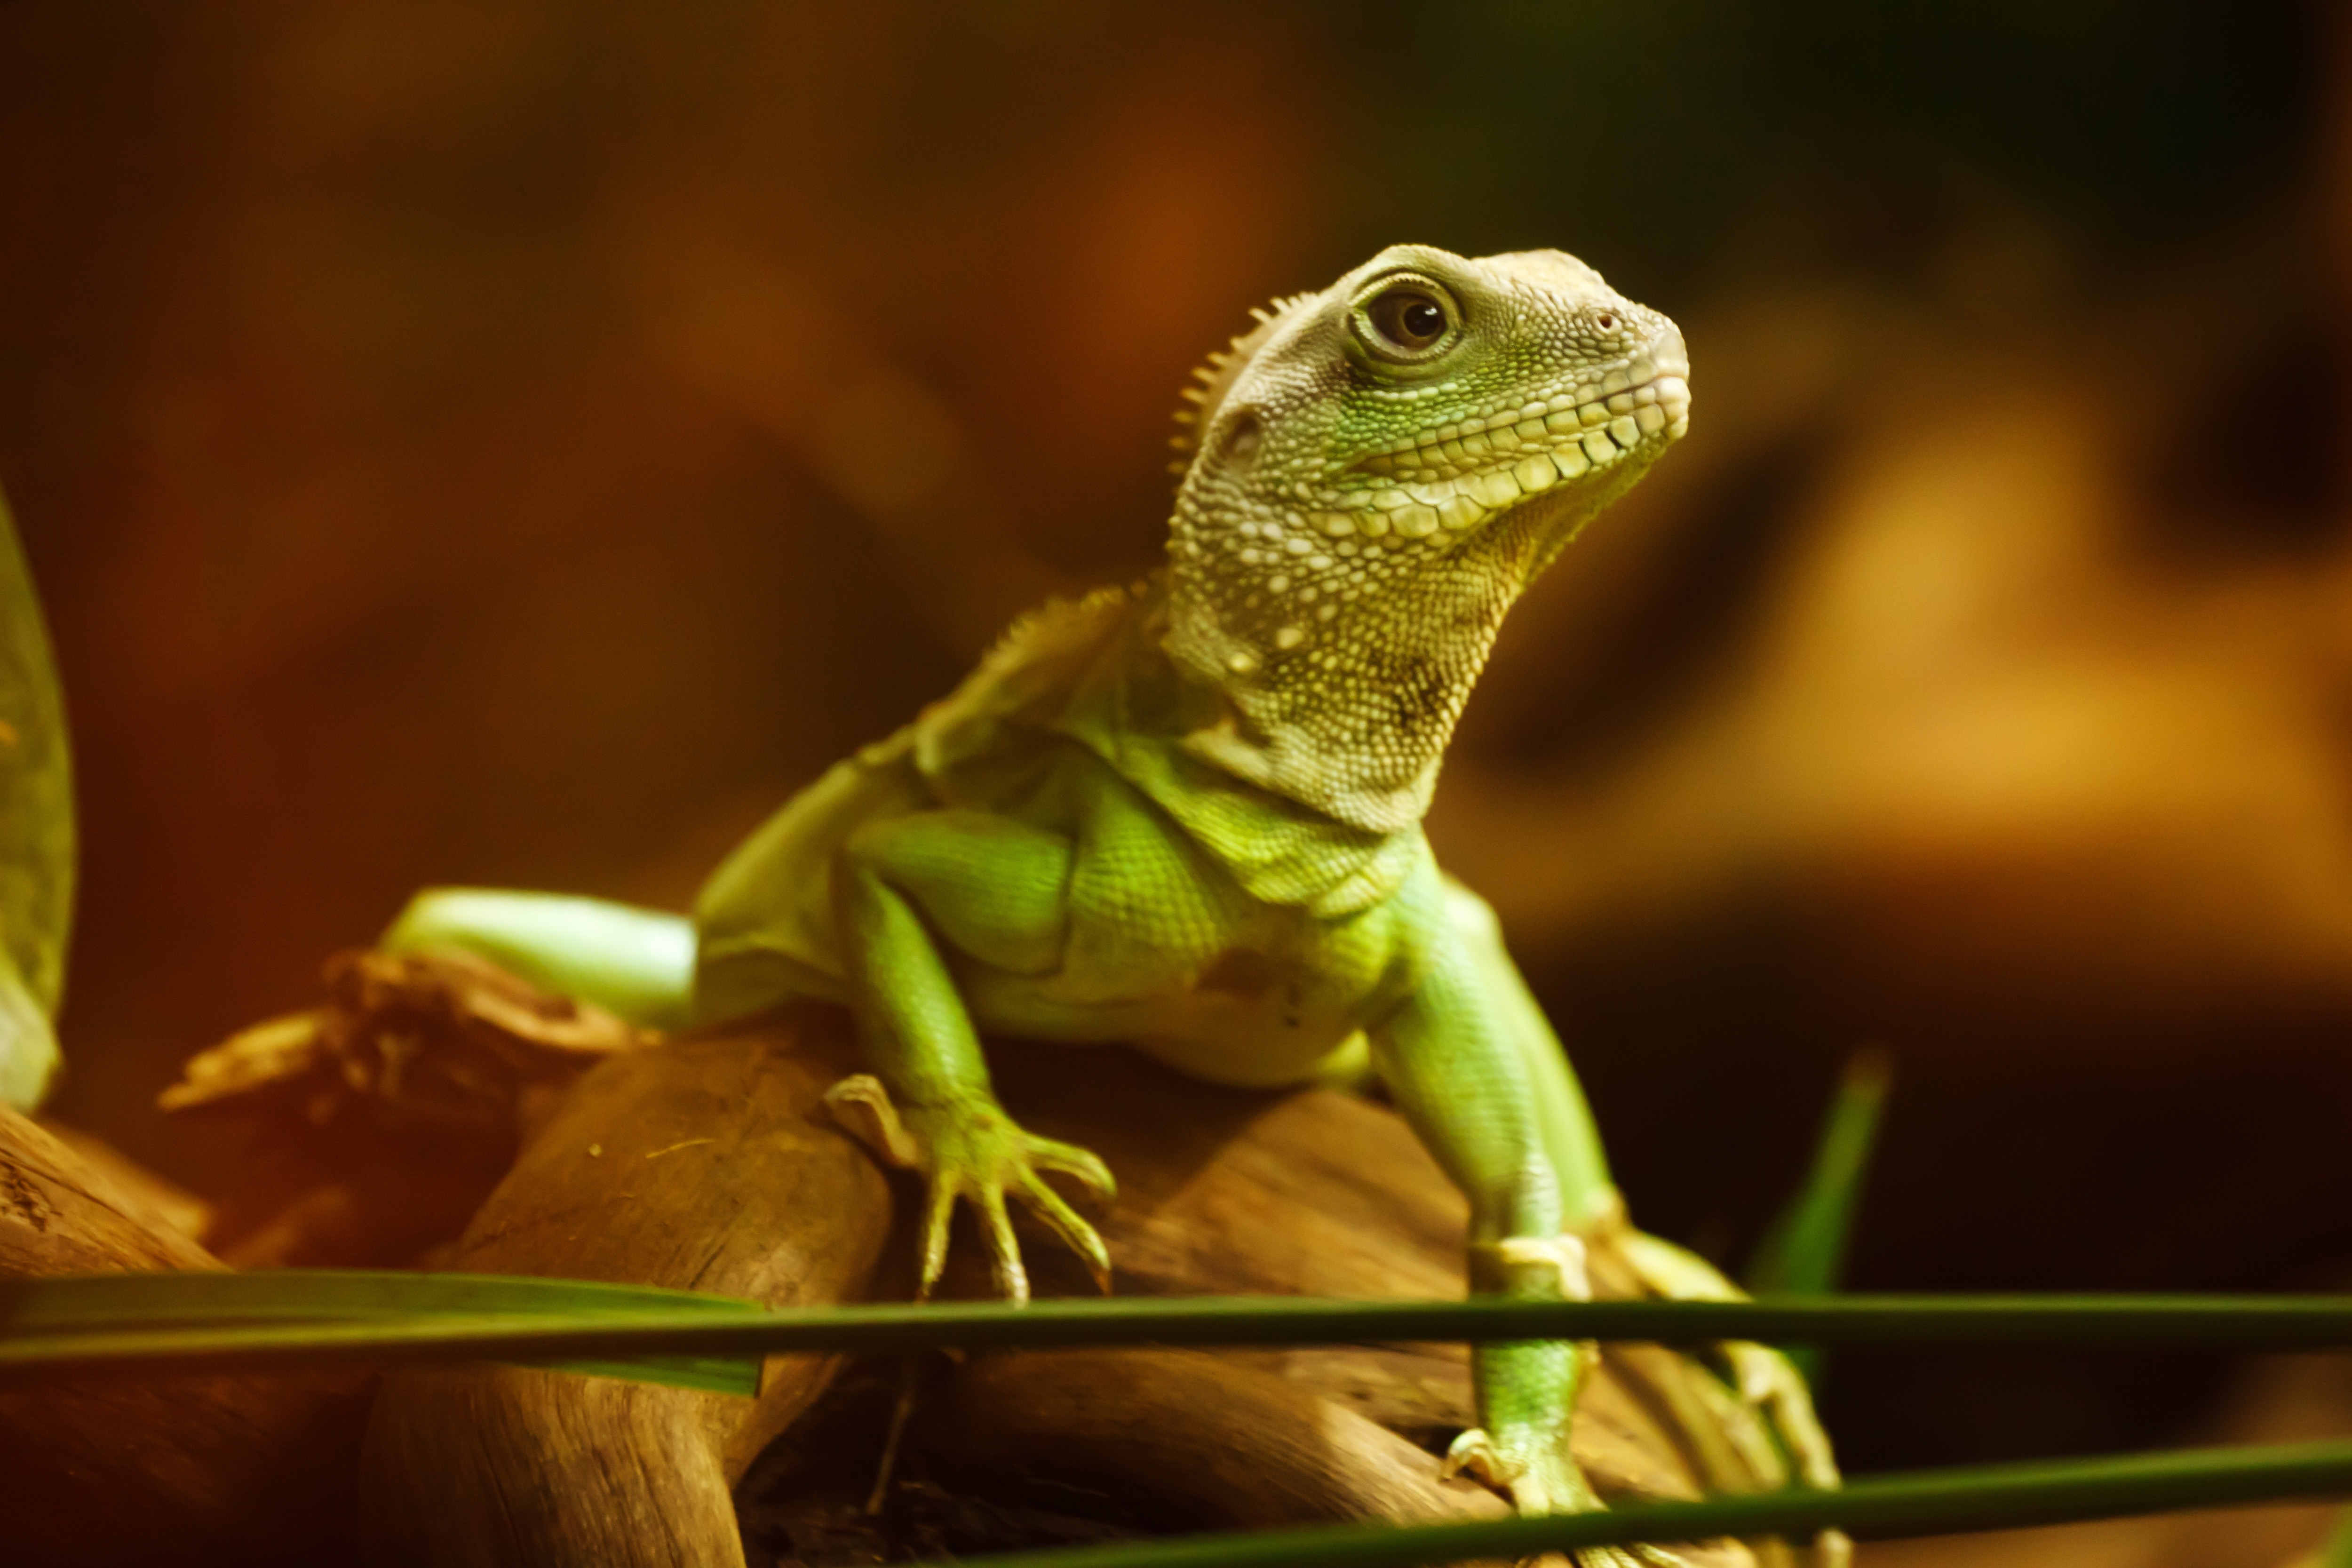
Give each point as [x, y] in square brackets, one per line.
[1069, 1159]
[1543, 1482]
[1003, 1248]
[939, 1210]
[1770, 1382]
[1076, 1233]
[976, 1153]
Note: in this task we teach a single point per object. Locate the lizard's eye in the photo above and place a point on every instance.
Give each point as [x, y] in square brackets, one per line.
[1409, 318]
[1405, 319]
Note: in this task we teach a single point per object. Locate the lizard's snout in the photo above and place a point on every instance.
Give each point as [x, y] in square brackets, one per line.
[1665, 378]
[1667, 353]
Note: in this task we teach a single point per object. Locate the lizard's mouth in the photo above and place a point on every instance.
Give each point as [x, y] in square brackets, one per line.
[1458, 475]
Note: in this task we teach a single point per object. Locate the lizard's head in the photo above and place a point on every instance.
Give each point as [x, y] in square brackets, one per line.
[1375, 473]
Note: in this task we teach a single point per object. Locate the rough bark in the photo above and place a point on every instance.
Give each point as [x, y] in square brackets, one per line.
[1312, 1192]
[178, 1469]
[707, 1164]
[710, 1162]
[1215, 1444]
[381, 1120]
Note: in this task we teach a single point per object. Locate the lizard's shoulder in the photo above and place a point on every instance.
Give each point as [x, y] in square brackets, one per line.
[1073, 707]
[1010, 702]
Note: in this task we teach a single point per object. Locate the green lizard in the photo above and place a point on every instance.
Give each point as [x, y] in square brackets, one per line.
[1186, 816]
[37, 835]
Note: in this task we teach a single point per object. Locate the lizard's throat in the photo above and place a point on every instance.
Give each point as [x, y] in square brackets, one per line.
[1353, 720]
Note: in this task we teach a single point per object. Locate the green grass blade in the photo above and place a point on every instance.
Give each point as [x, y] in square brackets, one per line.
[36, 834]
[1804, 1253]
[115, 1299]
[292, 1300]
[1925, 1502]
[600, 1325]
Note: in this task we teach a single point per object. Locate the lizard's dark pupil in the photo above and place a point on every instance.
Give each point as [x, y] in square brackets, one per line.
[1409, 318]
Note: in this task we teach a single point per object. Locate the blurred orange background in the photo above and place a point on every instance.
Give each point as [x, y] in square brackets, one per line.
[519, 444]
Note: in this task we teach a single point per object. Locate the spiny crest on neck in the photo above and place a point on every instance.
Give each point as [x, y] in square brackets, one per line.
[1373, 474]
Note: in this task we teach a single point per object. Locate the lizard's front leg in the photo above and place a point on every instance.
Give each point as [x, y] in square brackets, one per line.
[996, 890]
[1449, 1055]
[1591, 1208]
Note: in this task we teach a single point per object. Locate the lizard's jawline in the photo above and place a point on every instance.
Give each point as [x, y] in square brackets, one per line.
[1483, 501]
[1416, 509]
[1566, 416]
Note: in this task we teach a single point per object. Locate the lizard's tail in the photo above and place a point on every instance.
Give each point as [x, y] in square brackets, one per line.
[636, 962]
[37, 835]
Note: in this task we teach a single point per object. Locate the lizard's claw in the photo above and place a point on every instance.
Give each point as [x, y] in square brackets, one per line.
[1764, 1377]
[978, 1153]
[1540, 1478]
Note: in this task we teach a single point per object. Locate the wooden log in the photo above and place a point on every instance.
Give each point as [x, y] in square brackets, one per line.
[711, 1163]
[381, 1120]
[707, 1164]
[179, 1468]
[1215, 1444]
[1322, 1193]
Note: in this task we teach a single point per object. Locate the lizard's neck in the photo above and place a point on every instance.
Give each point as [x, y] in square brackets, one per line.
[1159, 727]
[1347, 707]
[1358, 736]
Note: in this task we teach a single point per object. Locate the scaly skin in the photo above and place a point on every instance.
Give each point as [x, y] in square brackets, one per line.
[1187, 817]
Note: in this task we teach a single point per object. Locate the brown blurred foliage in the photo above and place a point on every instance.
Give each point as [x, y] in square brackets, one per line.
[520, 444]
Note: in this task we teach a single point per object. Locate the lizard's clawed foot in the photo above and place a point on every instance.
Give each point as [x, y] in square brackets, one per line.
[977, 1152]
[1765, 1378]
[1540, 1478]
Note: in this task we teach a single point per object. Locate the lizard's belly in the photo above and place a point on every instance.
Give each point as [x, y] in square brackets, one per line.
[1237, 1023]
[1231, 991]
[1166, 951]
